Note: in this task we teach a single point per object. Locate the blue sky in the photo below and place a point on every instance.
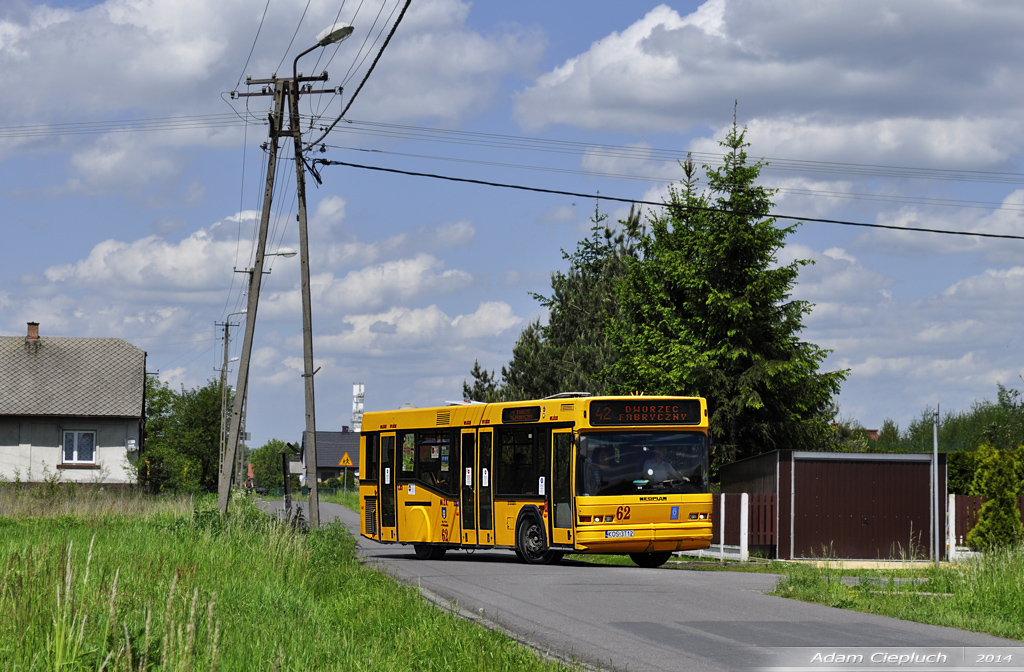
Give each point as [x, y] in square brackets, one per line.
[910, 111]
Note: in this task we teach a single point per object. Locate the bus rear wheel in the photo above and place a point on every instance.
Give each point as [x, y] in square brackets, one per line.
[651, 560]
[428, 552]
[530, 545]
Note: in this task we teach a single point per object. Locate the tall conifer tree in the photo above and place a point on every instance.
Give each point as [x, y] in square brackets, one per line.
[706, 309]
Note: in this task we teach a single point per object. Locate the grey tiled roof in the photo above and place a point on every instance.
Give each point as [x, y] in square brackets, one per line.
[331, 446]
[71, 376]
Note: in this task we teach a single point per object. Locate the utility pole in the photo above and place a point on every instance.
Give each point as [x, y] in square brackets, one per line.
[279, 88]
[255, 280]
[224, 394]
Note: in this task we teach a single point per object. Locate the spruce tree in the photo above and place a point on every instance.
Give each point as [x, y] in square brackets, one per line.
[706, 309]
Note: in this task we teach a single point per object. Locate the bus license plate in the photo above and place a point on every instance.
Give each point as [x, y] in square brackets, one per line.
[615, 534]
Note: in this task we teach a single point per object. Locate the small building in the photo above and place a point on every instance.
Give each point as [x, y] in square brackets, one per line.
[865, 506]
[70, 407]
[336, 452]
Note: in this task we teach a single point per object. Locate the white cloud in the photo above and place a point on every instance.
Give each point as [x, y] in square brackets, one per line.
[400, 330]
[865, 81]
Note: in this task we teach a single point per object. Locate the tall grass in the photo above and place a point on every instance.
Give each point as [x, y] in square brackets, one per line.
[162, 589]
[983, 594]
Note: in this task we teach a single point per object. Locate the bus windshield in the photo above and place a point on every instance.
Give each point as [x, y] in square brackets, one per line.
[623, 463]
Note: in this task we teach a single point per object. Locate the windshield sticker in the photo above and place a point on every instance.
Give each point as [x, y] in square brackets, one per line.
[412, 488]
[617, 534]
[387, 475]
[540, 486]
[469, 476]
[483, 478]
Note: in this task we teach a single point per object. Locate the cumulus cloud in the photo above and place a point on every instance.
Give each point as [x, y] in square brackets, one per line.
[901, 352]
[401, 330]
[863, 81]
[173, 58]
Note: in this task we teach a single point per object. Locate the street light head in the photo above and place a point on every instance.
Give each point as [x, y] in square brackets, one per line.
[286, 252]
[333, 34]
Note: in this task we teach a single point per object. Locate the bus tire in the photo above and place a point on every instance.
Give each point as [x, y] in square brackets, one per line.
[423, 551]
[438, 553]
[530, 543]
[651, 560]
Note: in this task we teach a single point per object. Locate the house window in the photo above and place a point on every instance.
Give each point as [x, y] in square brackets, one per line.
[80, 447]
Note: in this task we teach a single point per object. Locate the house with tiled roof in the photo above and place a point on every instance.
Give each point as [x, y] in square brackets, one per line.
[71, 407]
[336, 453]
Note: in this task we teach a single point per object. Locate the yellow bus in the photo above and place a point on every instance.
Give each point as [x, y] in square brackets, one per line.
[564, 474]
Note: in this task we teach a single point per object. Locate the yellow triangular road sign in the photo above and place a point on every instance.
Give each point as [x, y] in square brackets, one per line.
[345, 461]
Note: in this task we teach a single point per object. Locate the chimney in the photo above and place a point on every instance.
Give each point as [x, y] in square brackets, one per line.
[33, 331]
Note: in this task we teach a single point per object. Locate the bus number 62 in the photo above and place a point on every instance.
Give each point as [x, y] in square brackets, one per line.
[622, 513]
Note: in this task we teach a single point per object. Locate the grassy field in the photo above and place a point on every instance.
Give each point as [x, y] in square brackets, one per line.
[984, 594]
[114, 581]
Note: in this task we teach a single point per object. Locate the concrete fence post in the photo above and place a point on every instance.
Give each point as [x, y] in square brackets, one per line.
[721, 528]
[744, 524]
[951, 528]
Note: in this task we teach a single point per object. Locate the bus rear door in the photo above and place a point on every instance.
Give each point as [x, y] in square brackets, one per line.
[485, 496]
[561, 487]
[467, 503]
[386, 480]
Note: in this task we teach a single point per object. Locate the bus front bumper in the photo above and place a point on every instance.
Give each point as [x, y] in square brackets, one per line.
[642, 538]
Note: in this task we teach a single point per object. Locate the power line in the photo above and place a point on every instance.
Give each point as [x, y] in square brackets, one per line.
[528, 143]
[328, 162]
[253, 47]
[918, 200]
[367, 75]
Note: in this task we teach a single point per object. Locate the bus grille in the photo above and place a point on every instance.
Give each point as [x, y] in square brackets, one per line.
[443, 418]
[371, 516]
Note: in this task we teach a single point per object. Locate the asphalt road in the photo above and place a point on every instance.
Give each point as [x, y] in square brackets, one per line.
[628, 618]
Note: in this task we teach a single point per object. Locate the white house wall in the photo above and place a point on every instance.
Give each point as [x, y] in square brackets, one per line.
[31, 450]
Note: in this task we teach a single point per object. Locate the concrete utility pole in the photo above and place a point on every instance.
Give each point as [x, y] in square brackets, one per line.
[224, 384]
[255, 280]
[307, 310]
[280, 87]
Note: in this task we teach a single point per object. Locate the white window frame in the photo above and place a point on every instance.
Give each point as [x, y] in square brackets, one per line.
[77, 433]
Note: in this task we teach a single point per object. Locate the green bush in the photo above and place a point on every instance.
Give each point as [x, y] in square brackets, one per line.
[999, 519]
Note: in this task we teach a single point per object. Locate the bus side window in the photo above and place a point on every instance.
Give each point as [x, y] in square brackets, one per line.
[428, 459]
[408, 454]
[372, 454]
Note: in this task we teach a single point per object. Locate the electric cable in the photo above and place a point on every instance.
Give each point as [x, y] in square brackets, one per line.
[253, 47]
[367, 75]
[740, 213]
[916, 200]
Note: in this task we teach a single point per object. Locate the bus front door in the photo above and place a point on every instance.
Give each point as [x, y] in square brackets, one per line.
[386, 489]
[467, 502]
[485, 496]
[561, 487]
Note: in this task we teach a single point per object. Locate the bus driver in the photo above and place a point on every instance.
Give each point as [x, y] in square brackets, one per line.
[658, 469]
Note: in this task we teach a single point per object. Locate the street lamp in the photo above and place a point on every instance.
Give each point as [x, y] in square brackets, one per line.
[285, 252]
[331, 35]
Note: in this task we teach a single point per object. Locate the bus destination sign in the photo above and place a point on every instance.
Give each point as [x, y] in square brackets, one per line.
[646, 412]
[521, 414]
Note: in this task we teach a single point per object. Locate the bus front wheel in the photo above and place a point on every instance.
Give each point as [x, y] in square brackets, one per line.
[651, 559]
[530, 545]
